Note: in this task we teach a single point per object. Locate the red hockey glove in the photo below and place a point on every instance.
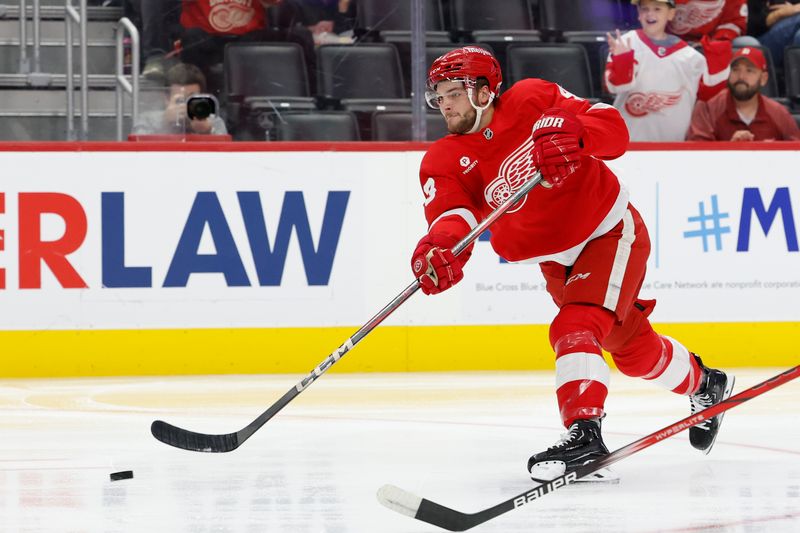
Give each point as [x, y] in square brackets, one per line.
[435, 265]
[557, 145]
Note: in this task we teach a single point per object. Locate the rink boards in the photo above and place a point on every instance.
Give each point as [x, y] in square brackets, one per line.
[178, 259]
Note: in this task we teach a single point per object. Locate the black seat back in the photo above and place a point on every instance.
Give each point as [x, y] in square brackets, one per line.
[791, 72]
[317, 126]
[564, 63]
[265, 69]
[360, 71]
[390, 126]
[469, 15]
[559, 16]
[395, 15]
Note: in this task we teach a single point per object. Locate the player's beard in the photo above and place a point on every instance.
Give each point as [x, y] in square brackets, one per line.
[743, 92]
[463, 123]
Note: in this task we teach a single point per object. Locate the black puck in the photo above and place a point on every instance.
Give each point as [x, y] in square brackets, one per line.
[125, 474]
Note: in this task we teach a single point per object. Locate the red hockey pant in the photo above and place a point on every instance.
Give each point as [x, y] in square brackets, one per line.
[599, 309]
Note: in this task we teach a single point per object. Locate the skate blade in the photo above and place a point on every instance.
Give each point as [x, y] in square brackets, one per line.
[725, 396]
[604, 475]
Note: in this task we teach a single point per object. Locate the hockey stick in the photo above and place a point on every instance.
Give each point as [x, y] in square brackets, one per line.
[408, 504]
[202, 442]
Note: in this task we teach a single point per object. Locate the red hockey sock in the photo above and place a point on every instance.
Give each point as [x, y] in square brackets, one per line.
[658, 358]
[582, 375]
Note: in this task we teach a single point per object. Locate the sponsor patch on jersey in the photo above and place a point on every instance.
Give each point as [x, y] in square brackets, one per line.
[469, 167]
[464, 161]
[488, 134]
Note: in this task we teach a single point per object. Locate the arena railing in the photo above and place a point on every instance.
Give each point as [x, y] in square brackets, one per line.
[123, 86]
[79, 17]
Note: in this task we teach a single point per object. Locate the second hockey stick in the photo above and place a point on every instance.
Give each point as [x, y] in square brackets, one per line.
[408, 504]
[203, 442]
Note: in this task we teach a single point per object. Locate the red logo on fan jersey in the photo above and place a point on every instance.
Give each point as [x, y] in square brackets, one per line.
[695, 15]
[226, 18]
[640, 104]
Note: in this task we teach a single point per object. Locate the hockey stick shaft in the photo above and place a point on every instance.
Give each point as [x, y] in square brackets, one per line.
[201, 442]
[406, 503]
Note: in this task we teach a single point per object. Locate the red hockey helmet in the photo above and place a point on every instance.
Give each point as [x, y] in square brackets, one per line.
[466, 65]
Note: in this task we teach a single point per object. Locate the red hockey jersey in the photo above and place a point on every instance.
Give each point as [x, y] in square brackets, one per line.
[721, 20]
[469, 175]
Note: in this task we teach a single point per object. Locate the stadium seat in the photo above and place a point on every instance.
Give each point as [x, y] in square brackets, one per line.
[575, 17]
[280, 73]
[564, 63]
[394, 126]
[317, 126]
[252, 95]
[791, 72]
[361, 77]
[402, 41]
[585, 22]
[376, 17]
[498, 18]
[495, 24]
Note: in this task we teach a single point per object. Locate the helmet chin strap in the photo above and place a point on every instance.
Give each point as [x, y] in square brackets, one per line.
[478, 109]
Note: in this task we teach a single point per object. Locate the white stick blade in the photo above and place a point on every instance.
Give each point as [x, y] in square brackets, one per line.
[399, 500]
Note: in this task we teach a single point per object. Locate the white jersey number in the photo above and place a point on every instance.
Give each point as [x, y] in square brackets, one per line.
[429, 189]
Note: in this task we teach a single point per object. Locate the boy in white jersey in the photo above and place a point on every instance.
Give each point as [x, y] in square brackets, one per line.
[657, 77]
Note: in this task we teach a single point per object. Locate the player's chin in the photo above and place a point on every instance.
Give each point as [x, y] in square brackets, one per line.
[458, 124]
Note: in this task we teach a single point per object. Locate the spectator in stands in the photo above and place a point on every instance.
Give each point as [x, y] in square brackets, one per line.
[720, 20]
[776, 25]
[330, 21]
[657, 77]
[184, 80]
[208, 25]
[155, 20]
[742, 113]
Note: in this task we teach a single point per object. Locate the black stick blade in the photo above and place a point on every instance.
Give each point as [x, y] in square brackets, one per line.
[192, 441]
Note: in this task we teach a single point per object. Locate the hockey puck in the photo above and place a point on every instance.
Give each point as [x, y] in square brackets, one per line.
[125, 474]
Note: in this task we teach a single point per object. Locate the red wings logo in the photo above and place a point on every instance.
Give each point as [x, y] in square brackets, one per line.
[640, 104]
[694, 15]
[226, 17]
[517, 169]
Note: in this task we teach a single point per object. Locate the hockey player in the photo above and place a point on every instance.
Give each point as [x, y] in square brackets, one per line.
[657, 77]
[590, 242]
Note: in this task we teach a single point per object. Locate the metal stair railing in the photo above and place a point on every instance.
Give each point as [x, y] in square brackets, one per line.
[73, 16]
[122, 84]
[35, 76]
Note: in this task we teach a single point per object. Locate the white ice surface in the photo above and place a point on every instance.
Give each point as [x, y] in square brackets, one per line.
[460, 439]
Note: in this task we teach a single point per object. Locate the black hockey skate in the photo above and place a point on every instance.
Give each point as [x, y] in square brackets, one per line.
[716, 386]
[582, 444]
